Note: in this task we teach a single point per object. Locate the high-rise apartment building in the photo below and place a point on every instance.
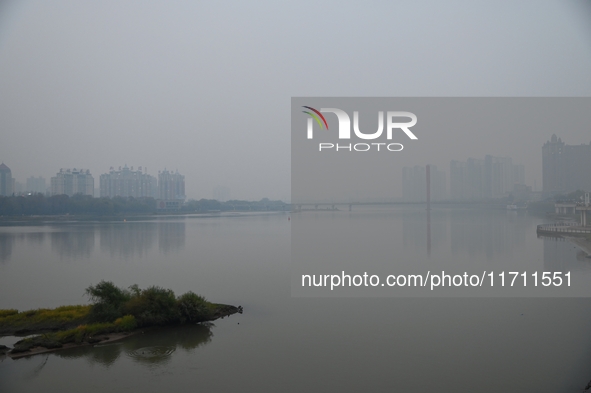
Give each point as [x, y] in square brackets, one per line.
[565, 168]
[171, 186]
[126, 182]
[491, 177]
[71, 182]
[6, 181]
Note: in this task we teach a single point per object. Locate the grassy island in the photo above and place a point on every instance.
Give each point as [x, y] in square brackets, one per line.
[114, 311]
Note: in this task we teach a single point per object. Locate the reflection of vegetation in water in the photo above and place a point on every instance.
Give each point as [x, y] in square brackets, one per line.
[37, 370]
[154, 347]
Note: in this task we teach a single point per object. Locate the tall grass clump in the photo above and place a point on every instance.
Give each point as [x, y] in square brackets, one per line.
[126, 323]
[43, 319]
[7, 313]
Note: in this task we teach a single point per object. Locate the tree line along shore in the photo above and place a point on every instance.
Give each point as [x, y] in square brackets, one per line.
[41, 205]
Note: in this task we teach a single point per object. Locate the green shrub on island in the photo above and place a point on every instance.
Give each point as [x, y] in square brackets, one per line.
[108, 301]
[193, 307]
[148, 307]
[151, 306]
[114, 310]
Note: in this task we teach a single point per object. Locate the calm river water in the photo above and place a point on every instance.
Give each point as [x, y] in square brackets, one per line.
[285, 344]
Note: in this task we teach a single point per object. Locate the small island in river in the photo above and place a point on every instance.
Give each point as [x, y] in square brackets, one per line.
[115, 313]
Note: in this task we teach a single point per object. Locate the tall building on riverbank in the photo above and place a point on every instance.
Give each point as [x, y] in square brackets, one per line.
[565, 168]
[126, 182]
[6, 181]
[72, 181]
[171, 186]
[491, 177]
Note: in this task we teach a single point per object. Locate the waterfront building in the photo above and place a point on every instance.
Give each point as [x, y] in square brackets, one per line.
[126, 182]
[72, 181]
[6, 181]
[491, 177]
[565, 168]
[171, 186]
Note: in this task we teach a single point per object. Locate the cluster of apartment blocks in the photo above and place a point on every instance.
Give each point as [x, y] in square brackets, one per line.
[124, 182]
[565, 168]
[473, 179]
[491, 177]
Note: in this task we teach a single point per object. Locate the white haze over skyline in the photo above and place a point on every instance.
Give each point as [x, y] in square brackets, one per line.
[204, 87]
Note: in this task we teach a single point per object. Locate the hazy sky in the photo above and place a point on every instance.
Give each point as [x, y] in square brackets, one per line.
[205, 87]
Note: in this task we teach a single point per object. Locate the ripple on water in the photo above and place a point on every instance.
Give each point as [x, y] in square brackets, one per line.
[151, 354]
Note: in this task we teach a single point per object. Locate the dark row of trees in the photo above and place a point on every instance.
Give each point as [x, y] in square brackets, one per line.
[208, 205]
[39, 204]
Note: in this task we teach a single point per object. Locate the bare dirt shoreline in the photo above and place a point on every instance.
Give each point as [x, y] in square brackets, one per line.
[102, 339]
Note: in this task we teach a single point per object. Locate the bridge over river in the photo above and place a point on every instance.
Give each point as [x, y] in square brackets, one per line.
[331, 206]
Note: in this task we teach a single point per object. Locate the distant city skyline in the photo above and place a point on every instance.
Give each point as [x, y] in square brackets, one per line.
[473, 179]
[187, 91]
[564, 168]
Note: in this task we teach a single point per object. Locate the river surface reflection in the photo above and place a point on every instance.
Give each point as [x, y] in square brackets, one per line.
[290, 344]
[152, 347]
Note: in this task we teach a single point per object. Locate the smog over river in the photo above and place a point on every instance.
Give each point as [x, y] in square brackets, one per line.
[296, 196]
